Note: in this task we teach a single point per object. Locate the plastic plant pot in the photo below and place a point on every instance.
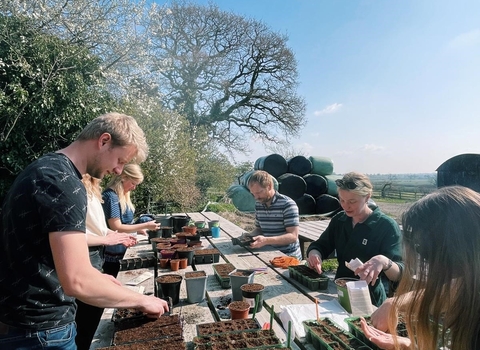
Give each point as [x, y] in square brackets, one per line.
[164, 263]
[174, 264]
[167, 253]
[250, 292]
[215, 232]
[196, 285]
[186, 253]
[239, 310]
[182, 263]
[213, 223]
[237, 279]
[200, 224]
[342, 292]
[169, 286]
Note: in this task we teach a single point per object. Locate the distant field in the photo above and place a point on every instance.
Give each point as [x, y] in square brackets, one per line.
[403, 187]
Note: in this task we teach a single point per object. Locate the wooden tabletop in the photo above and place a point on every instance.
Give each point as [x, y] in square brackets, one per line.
[280, 289]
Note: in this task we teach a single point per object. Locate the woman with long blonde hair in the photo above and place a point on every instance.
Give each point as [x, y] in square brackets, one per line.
[439, 293]
[98, 236]
[119, 213]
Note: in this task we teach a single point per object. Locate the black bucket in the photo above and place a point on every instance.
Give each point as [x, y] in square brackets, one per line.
[179, 221]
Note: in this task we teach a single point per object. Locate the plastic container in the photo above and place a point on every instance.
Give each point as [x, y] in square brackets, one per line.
[196, 285]
[237, 279]
[342, 292]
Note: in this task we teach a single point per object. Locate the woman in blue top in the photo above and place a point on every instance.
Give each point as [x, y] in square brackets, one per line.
[119, 212]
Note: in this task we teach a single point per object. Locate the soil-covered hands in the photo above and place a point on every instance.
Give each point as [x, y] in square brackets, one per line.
[314, 260]
[383, 340]
[154, 307]
[370, 270]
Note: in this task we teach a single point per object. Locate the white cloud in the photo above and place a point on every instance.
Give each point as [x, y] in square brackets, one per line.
[329, 109]
[372, 148]
[468, 39]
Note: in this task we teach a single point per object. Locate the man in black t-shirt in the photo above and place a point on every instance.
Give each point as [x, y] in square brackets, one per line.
[44, 254]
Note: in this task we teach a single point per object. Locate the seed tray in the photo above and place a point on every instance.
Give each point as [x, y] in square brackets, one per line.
[223, 279]
[206, 256]
[331, 339]
[308, 277]
[229, 326]
[137, 263]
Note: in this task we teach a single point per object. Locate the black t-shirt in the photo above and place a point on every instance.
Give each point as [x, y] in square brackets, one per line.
[47, 196]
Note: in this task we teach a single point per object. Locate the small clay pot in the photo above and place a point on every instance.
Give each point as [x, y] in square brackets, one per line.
[190, 229]
[164, 263]
[174, 264]
[239, 310]
[183, 263]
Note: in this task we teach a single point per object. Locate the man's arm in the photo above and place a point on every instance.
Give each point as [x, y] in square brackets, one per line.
[81, 280]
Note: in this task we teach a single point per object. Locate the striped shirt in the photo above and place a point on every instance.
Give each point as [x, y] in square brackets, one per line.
[274, 220]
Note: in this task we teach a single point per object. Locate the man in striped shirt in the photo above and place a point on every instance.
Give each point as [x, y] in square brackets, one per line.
[276, 216]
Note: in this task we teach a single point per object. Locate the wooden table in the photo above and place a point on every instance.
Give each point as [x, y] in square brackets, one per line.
[280, 289]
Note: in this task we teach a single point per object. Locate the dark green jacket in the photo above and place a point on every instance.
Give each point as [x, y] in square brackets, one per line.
[379, 234]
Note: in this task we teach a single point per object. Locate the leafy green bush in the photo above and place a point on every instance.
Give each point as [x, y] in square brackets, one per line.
[221, 207]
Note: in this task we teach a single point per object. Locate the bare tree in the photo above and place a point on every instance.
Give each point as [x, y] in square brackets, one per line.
[225, 73]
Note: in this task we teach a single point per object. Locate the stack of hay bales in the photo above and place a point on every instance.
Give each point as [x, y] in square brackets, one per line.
[310, 182]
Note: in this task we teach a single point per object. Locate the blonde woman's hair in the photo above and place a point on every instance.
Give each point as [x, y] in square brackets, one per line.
[363, 185]
[92, 185]
[123, 129]
[130, 171]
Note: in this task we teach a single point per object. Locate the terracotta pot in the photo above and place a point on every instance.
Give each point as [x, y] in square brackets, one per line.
[183, 263]
[174, 264]
[164, 263]
[239, 310]
[190, 229]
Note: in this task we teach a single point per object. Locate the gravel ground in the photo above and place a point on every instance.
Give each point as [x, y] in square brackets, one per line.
[395, 210]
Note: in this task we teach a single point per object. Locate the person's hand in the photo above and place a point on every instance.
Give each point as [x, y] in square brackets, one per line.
[258, 242]
[314, 260]
[379, 317]
[154, 307]
[370, 270]
[381, 339]
[142, 232]
[114, 238]
[151, 225]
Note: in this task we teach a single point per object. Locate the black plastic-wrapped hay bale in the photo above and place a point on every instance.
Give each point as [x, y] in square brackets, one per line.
[306, 204]
[299, 165]
[291, 185]
[316, 185]
[243, 179]
[274, 164]
[241, 198]
[327, 205]
[321, 165]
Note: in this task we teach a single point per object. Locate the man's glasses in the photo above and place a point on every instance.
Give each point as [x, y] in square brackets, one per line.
[351, 185]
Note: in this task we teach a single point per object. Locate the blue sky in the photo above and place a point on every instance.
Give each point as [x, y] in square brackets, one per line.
[391, 86]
